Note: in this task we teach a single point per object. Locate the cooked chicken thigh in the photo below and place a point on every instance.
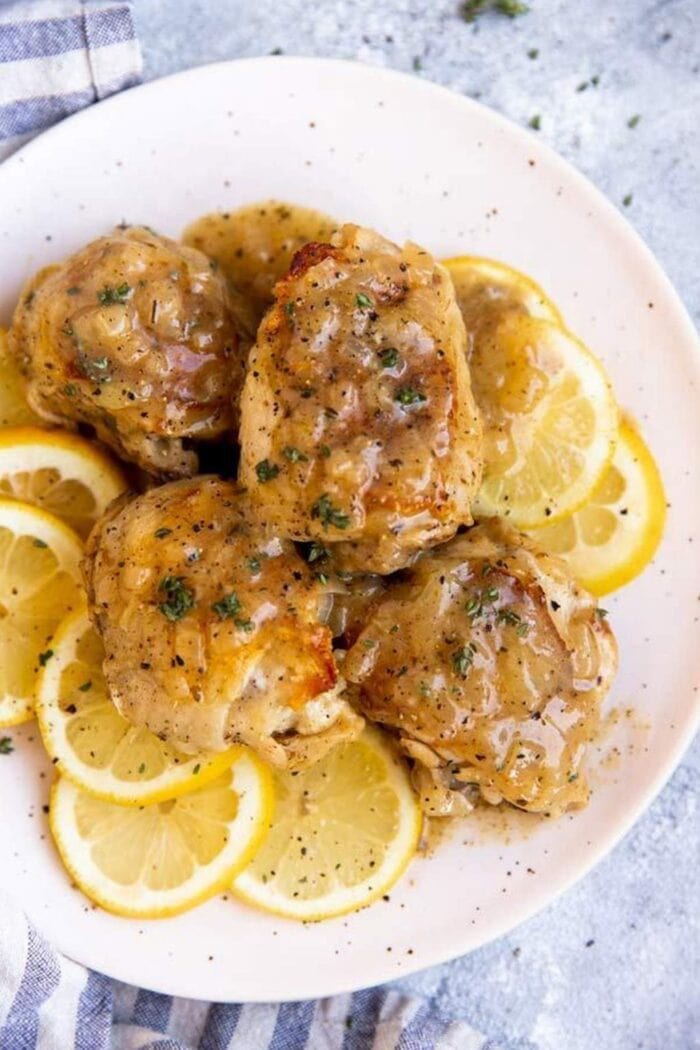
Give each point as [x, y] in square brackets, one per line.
[490, 663]
[213, 631]
[133, 335]
[358, 426]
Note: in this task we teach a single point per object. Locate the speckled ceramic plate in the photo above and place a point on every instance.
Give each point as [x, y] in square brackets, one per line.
[415, 161]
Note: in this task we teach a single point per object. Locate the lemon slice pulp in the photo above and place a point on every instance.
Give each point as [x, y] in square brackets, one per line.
[39, 585]
[92, 744]
[158, 860]
[59, 472]
[550, 421]
[487, 291]
[14, 409]
[342, 834]
[615, 534]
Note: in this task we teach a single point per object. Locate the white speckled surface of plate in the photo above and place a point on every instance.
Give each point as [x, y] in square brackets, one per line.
[414, 161]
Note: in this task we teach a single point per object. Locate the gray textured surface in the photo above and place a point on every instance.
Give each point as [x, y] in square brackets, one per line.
[615, 963]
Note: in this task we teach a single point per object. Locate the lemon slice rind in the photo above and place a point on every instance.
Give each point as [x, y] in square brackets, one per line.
[29, 450]
[640, 513]
[91, 709]
[250, 781]
[262, 893]
[45, 530]
[496, 497]
[533, 298]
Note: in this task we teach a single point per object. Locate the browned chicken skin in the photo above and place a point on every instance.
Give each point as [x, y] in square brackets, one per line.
[358, 427]
[213, 631]
[133, 335]
[490, 663]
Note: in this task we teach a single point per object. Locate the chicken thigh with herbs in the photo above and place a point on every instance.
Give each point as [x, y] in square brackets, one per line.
[213, 631]
[358, 426]
[133, 334]
[490, 663]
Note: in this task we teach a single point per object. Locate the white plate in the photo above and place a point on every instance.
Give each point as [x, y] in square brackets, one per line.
[415, 161]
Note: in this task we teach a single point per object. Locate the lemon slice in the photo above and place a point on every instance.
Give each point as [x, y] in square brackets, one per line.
[343, 832]
[162, 859]
[13, 402]
[614, 536]
[90, 742]
[60, 472]
[550, 421]
[488, 290]
[39, 585]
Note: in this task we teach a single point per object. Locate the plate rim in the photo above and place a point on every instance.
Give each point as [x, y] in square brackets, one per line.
[307, 986]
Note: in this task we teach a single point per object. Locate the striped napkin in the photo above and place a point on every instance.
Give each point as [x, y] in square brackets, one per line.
[57, 56]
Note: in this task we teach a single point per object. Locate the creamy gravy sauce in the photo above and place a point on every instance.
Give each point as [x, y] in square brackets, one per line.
[254, 246]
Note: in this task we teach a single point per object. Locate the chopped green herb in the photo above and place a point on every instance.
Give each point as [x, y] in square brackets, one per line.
[73, 290]
[508, 616]
[535, 122]
[417, 63]
[369, 643]
[582, 86]
[70, 390]
[317, 552]
[110, 295]
[478, 604]
[394, 629]
[425, 689]
[266, 471]
[308, 392]
[595, 80]
[363, 301]
[401, 671]
[161, 533]
[407, 395]
[180, 598]
[6, 745]
[142, 768]
[294, 455]
[324, 450]
[40, 544]
[197, 768]
[471, 9]
[254, 565]
[289, 309]
[633, 121]
[522, 629]
[45, 657]
[462, 659]
[322, 578]
[95, 368]
[29, 299]
[86, 686]
[572, 777]
[627, 200]
[533, 53]
[601, 613]
[389, 358]
[327, 514]
[228, 607]
[512, 8]
[195, 554]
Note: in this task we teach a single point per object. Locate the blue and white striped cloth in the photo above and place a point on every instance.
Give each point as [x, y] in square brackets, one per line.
[57, 56]
[50, 1003]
